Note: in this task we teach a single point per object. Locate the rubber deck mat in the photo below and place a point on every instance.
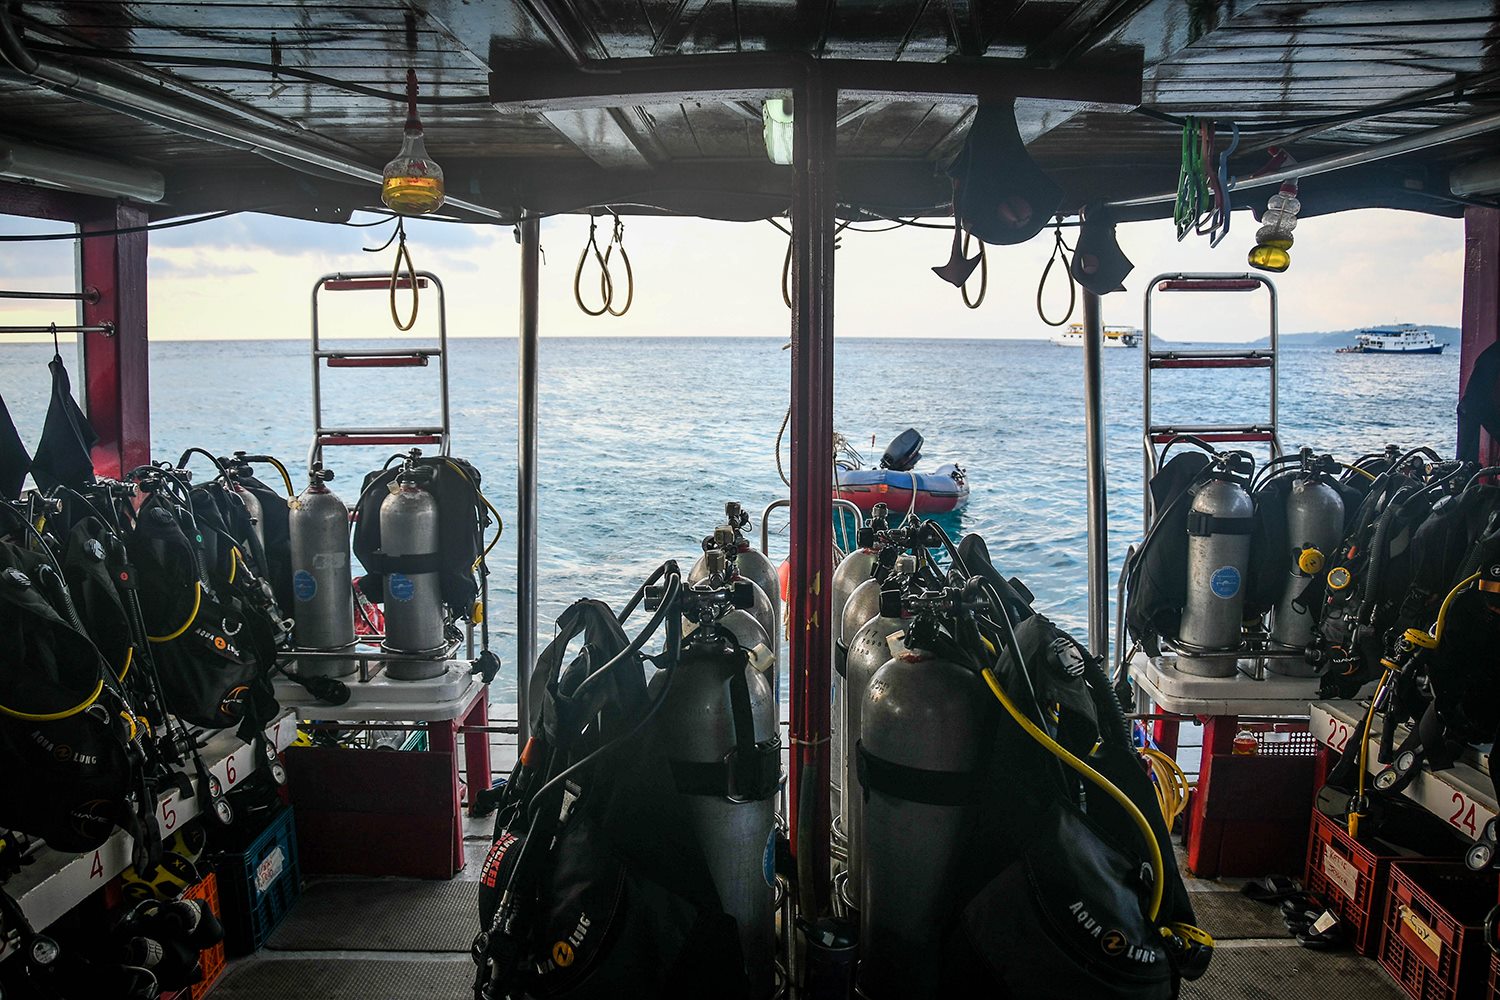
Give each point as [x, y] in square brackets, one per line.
[346, 979]
[1287, 972]
[381, 915]
[1231, 916]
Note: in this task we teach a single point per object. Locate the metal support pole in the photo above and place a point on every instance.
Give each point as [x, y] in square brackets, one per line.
[1098, 508]
[810, 631]
[116, 369]
[526, 350]
[1481, 303]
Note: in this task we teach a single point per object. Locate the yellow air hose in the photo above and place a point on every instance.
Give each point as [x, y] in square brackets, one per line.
[1158, 881]
[197, 604]
[1170, 782]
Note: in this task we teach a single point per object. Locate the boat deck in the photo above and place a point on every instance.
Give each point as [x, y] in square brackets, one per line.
[400, 939]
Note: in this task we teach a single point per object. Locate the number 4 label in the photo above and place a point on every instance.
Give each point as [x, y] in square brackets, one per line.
[1463, 815]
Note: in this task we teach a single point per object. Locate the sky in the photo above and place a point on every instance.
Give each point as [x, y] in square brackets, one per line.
[249, 276]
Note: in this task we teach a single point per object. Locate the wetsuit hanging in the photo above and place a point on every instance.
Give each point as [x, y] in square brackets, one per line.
[62, 456]
[15, 464]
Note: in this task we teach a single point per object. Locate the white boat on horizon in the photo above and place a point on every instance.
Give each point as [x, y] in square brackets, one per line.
[1403, 338]
[1114, 336]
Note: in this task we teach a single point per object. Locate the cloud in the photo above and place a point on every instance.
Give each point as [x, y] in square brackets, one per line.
[251, 274]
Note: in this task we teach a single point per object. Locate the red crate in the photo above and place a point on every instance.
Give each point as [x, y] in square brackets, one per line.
[1350, 877]
[1494, 976]
[212, 959]
[1433, 945]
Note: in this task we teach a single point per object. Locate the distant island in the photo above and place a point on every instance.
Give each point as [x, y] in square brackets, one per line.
[1326, 338]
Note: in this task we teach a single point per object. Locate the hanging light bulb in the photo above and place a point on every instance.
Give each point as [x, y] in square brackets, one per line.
[1274, 237]
[413, 182]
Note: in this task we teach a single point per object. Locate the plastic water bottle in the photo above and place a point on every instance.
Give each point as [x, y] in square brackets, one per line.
[1274, 237]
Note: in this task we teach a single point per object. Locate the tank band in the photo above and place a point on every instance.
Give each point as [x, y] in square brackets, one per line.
[914, 784]
[1201, 524]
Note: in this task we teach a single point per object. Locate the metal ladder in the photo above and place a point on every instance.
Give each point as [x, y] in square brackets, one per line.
[1153, 360]
[401, 357]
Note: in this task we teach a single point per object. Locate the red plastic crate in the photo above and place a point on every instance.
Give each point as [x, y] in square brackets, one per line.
[1350, 877]
[1494, 976]
[1433, 945]
[207, 890]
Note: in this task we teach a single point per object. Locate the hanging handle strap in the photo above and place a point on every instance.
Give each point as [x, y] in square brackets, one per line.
[1059, 253]
[606, 285]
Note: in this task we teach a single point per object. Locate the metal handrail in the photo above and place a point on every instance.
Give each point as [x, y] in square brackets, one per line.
[1184, 281]
[105, 329]
[765, 518]
[377, 280]
[89, 295]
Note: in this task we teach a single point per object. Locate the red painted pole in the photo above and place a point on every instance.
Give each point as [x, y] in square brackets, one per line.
[810, 632]
[116, 369]
[1481, 311]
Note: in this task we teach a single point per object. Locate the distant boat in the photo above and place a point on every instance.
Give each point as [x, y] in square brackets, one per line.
[1114, 336]
[1403, 338]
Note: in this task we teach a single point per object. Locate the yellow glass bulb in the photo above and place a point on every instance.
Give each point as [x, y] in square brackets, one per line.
[1270, 257]
[412, 182]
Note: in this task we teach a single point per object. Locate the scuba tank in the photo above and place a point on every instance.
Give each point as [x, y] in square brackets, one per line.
[853, 572]
[720, 733]
[1315, 526]
[868, 652]
[1219, 524]
[253, 508]
[323, 615]
[409, 544]
[927, 726]
[748, 624]
[753, 564]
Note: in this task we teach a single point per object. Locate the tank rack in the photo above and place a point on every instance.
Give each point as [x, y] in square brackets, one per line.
[1251, 691]
[1462, 796]
[374, 655]
[383, 699]
[54, 882]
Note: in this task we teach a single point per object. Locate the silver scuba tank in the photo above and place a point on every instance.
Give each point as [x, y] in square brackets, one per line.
[753, 564]
[732, 812]
[1218, 559]
[323, 615]
[409, 537]
[868, 651]
[926, 723]
[853, 571]
[1315, 526]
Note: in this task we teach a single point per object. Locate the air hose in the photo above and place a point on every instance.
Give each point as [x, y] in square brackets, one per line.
[1158, 881]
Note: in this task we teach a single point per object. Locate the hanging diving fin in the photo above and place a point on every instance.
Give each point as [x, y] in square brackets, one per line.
[1098, 263]
[15, 464]
[1001, 195]
[956, 272]
[63, 455]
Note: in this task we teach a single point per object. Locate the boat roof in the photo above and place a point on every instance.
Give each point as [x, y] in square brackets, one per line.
[545, 106]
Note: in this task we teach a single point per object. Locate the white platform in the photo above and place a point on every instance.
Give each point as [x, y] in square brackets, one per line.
[381, 699]
[1461, 796]
[54, 882]
[1187, 694]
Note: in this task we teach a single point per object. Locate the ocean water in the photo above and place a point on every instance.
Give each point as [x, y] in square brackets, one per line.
[642, 441]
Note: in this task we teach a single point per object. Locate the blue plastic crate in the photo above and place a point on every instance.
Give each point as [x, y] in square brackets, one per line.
[259, 884]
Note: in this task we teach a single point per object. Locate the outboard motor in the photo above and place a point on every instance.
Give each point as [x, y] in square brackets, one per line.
[720, 732]
[927, 725]
[868, 651]
[904, 451]
[1219, 524]
[1315, 526]
[323, 615]
[410, 549]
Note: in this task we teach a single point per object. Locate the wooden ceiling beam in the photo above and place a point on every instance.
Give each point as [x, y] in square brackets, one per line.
[1111, 86]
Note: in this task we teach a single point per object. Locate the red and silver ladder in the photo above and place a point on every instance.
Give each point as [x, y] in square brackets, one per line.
[1156, 435]
[436, 433]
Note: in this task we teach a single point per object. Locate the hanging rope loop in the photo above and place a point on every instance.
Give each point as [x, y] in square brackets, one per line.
[606, 280]
[606, 285]
[1060, 250]
[403, 254]
[984, 279]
